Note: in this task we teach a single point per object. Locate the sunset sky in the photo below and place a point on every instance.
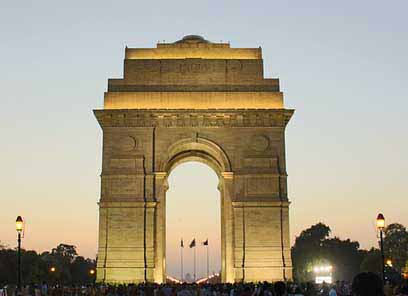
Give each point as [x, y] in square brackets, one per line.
[342, 65]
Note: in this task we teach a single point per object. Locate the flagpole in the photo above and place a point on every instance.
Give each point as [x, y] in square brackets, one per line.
[195, 264]
[208, 264]
[181, 258]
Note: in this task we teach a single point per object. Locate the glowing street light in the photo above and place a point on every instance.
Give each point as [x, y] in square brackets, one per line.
[389, 262]
[380, 227]
[92, 272]
[53, 269]
[19, 228]
[19, 224]
[380, 222]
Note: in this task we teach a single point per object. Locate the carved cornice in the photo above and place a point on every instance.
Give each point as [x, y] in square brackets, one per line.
[193, 117]
[260, 203]
[270, 87]
[106, 203]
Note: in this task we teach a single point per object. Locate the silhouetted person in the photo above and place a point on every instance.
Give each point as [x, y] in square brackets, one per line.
[403, 290]
[280, 288]
[367, 284]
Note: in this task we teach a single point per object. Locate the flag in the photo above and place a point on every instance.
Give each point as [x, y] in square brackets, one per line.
[192, 244]
[181, 243]
[205, 243]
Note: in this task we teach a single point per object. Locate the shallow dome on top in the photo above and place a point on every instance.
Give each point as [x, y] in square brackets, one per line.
[192, 39]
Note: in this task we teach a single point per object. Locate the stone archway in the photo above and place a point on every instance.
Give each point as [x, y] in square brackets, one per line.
[207, 152]
[193, 100]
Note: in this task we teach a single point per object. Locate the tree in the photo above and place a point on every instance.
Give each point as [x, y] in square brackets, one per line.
[68, 252]
[307, 251]
[372, 261]
[8, 266]
[314, 247]
[345, 256]
[62, 257]
[396, 245]
[70, 268]
[80, 269]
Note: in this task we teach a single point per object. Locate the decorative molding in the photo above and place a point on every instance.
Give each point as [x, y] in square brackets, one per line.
[259, 143]
[160, 174]
[227, 175]
[126, 143]
[260, 204]
[193, 118]
[114, 86]
[126, 204]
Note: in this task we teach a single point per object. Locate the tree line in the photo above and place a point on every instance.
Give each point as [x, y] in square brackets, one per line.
[60, 265]
[314, 247]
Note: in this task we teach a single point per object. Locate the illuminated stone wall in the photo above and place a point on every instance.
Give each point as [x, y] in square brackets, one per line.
[202, 101]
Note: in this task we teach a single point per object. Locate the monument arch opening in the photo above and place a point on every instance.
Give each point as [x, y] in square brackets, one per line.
[193, 211]
[193, 100]
[208, 152]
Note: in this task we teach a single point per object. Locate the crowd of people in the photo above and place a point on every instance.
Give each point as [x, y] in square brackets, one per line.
[364, 284]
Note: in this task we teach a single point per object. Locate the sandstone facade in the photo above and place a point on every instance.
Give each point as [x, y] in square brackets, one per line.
[201, 101]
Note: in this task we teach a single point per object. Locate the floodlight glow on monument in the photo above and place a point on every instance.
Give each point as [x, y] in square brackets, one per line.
[193, 99]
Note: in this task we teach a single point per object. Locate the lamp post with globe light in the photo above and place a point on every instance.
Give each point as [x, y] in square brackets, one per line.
[92, 275]
[19, 228]
[53, 276]
[380, 227]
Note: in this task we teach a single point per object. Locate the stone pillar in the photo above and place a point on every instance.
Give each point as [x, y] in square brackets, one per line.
[122, 245]
[227, 229]
[160, 229]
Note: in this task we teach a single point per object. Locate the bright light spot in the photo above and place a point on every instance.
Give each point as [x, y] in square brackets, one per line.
[324, 279]
[323, 274]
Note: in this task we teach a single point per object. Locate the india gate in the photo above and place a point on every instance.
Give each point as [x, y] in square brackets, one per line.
[193, 100]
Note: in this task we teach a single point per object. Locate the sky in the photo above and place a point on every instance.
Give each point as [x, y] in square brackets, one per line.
[201, 220]
[342, 65]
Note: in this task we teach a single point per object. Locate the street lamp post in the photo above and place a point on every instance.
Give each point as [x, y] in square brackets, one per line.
[381, 226]
[19, 228]
[52, 275]
[92, 275]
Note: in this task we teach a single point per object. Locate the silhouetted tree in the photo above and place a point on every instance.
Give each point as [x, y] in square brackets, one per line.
[345, 257]
[396, 245]
[80, 269]
[8, 266]
[314, 247]
[308, 252]
[70, 268]
[371, 261]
